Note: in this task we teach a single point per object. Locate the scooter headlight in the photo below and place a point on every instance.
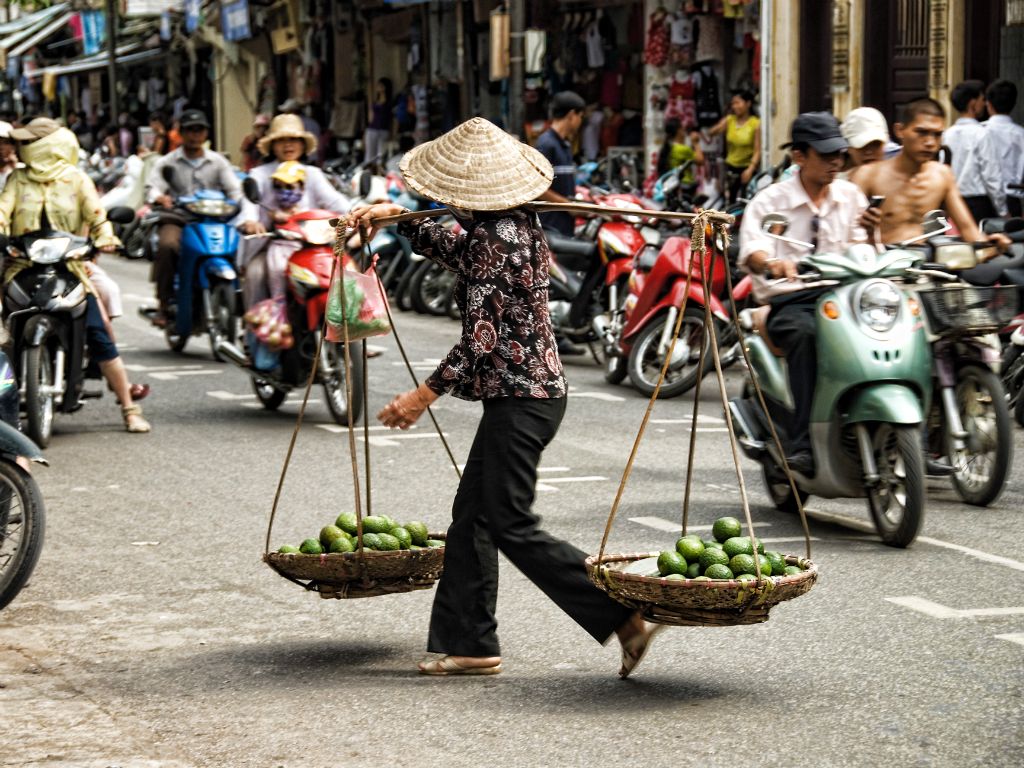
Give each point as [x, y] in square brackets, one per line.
[49, 250]
[878, 305]
[214, 209]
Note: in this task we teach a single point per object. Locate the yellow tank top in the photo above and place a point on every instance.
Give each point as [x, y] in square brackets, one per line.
[739, 141]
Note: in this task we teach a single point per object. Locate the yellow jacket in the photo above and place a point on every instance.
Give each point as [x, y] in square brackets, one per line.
[51, 180]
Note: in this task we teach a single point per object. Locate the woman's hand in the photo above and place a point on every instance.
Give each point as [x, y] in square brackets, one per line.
[747, 175]
[405, 409]
[252, 228]
[366, 213]
[109, 248]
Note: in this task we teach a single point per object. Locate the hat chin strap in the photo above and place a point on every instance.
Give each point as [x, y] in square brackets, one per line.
[460, 213]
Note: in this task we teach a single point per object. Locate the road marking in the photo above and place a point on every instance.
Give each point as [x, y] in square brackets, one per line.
[173, 372]
[254, 406]
[661, 524]
[168, 376]
[149, 368]
[976, 553]
[937, 611]
[1017, 637]
[220, 394]
[606, 397]
[700, 417]
[336, 428]
[392, 440]
[584, 479]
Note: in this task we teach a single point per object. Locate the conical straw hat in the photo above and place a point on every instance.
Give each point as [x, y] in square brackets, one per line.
[477, 167]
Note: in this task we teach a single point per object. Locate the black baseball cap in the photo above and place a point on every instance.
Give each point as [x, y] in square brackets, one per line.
[193, 117]
[818, 129]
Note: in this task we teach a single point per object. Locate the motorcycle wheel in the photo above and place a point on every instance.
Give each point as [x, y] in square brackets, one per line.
[38, 404]
[22, 522]
[453, 306]
[175, 341]
[779, 490]
[616, 368]
[897, 502]
[644, 364]
[430, 290]
[984, 465]
[135, 245]
[335, 386]
[225, 318]
[270, 397]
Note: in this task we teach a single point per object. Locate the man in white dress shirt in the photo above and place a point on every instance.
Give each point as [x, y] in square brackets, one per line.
[822, 210]
[1008, 138]
[976, 164]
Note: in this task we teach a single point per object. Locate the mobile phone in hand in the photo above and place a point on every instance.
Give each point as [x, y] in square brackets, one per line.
[876, 201]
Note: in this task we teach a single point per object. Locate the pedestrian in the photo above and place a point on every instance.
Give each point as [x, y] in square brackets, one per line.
[1008, 138]
[158, 125]
[681, 145]
[742, 129]
[506, 358]
[51, 184]
[251, 155]
[976, 166]
[555, 144]
[8, 153]
[378, 127]
[867, 134]
[174, 139]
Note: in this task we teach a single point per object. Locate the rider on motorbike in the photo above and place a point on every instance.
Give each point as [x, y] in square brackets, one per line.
[50, 192]
[195, 168]
[823, 211]
[288, 142]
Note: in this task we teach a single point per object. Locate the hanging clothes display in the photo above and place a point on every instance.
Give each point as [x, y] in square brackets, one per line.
[656, 50]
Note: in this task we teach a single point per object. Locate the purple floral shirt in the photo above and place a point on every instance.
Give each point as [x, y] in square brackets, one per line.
[508, 347]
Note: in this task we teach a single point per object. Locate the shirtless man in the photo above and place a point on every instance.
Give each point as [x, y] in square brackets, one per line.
[914, 183]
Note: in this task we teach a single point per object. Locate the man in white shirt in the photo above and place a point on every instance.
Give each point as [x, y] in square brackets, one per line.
[821, 210]
[1008, 138]
[976, 165]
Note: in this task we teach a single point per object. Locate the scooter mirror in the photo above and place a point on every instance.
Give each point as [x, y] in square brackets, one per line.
[251, 189]
[934, 221]
[956, 255]
[775, 224]
[121, 214]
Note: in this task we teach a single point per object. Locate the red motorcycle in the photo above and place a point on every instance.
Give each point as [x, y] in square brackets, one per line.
[308, 278]
[643, 331]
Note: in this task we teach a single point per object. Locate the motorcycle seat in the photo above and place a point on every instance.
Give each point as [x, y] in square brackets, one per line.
[571, 253]
[993, 270]
[759, 325]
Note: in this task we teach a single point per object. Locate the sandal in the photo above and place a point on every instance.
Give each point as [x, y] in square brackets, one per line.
[634, 649]
[133, 421]
[137, 391]
[447, 666]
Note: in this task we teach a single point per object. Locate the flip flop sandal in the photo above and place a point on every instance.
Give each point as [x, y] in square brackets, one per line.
[634, 649]
[447, 667]
[137, 391]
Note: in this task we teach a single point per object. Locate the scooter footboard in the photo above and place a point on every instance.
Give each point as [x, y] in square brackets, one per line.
[890, 402]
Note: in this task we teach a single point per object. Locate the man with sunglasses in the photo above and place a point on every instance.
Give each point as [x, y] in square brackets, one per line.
[194, 167]
[824, 211]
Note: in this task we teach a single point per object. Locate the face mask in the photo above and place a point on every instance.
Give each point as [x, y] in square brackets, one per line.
[288, 198]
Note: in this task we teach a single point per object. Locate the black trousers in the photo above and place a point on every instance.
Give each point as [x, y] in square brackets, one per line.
[980, 207]
[791, 326]
[491, 513]
[1014, 205]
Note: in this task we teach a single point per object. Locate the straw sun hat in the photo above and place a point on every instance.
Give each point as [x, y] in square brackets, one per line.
[477, 167]
[286, 127]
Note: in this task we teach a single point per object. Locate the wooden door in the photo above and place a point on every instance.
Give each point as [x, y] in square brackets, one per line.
[895, 54]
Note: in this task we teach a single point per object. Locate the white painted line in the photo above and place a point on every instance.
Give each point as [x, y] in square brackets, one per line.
[336, 429]
[843, 520]
[137, 297]
[220, 394]
[937, 611]
[606, 397]
[700, 417]
[296, 403]
[585, 479]
[975, 553]
[1017, 637]
[168, 376]
[785, 539]
[392, 440]
[548, 469]
[147, 368]
[661, 524]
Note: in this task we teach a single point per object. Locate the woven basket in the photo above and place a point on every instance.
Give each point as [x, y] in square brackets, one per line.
[697, 603]
[350, 575]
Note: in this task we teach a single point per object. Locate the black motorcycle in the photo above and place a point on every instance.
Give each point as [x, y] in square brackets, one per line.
[44, 308]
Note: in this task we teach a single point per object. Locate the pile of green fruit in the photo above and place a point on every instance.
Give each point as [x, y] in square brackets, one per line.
[727, 556]
[380, 533]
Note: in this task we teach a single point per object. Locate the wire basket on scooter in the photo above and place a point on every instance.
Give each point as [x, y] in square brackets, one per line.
[968, 310]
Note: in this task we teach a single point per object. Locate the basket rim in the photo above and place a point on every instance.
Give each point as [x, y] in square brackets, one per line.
[810, 569]
[372, 553]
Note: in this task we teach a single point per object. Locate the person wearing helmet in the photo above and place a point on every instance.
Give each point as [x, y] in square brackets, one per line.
[287, 142]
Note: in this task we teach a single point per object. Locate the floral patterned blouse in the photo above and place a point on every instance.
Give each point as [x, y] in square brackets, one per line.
[508, 346]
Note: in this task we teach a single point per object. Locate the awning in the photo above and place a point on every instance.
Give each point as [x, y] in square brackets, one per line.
[14, 32]
[40, 34]
[126, 54]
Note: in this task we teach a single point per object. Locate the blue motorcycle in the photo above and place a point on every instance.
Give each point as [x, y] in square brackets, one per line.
[206, 284]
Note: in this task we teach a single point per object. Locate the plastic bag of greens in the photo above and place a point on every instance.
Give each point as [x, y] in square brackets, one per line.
[364, 309]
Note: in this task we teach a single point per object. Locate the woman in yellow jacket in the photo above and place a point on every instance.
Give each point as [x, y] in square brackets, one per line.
[51, 187]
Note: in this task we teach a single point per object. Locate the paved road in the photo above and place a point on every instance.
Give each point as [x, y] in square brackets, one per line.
[152, 635]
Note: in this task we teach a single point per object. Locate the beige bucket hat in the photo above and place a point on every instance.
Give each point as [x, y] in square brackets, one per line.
[286, 127]
[476, 166]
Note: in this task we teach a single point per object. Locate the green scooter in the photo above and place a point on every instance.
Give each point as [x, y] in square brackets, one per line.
[874, 383]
